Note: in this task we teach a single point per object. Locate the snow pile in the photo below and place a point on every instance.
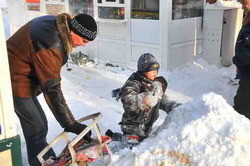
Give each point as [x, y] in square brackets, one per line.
[222, 3]
[186, 83]
[205, 131]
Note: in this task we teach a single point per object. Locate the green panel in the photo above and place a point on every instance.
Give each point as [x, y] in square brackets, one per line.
[14, 144]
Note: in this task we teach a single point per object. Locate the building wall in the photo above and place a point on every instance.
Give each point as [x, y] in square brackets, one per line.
[8, 128]
[173, 42]
[6, 22]
[220, 34]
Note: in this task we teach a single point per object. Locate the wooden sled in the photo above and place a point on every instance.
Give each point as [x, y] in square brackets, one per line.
[77, 151]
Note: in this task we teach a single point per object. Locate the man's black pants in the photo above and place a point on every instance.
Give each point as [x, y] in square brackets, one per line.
[35, 127]
[242, 98]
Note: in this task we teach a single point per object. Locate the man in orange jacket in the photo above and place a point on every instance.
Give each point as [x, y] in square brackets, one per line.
[37, 52]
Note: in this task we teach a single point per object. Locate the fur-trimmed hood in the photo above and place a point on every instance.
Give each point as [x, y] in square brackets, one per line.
[64, 31]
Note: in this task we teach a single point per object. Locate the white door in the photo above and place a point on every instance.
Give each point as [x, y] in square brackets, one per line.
[145, 28]
[145, 24]
[231, 27]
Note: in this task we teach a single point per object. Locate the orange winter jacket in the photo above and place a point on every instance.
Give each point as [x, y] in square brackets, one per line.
[37, 52]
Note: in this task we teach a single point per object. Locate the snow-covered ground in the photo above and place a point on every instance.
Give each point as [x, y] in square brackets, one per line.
[204, 130]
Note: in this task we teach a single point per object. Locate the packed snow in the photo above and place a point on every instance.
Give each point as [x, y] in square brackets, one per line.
[204, 130]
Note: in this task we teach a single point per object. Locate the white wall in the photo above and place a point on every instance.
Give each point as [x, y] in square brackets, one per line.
[7, 116]
[3, 3]
[185, 41]
[6, 22]
[173, 42]
[17, 14]
[221, 27]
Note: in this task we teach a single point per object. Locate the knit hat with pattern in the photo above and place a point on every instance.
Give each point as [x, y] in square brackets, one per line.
[83, 25]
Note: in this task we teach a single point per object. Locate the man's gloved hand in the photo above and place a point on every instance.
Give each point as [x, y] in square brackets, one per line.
[175, 104]
[77, 128]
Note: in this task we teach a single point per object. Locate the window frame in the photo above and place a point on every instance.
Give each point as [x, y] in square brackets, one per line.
[153, 13]
[115, 4]
[188, 9]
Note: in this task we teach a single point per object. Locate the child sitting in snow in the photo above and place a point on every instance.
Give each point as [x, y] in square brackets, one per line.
[142, 96]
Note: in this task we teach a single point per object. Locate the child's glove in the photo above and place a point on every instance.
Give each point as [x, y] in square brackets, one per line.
[163, 82]
[157, 89]
[149, 100]
[152, 100]
[146, 101]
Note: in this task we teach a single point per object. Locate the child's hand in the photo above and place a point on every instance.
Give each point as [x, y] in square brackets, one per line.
[151, 100]
[147, 101]
[157, 89]
[174, 105]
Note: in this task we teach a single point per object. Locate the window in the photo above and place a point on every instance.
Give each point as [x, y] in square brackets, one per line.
[113, 1]
[186, 9]
[145, 9]
[55, 9]
[55, 6]
[111, 9]
[56, 1]
[111, 12]
[33, 6]
[81, 6]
